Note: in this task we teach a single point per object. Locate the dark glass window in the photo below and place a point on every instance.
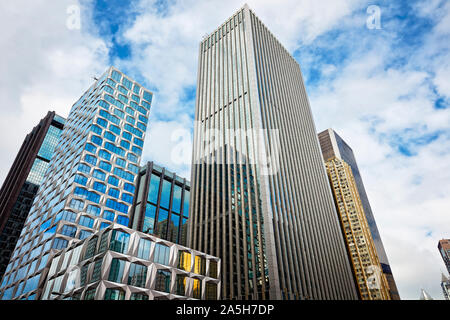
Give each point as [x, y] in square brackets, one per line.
[137, 275]
[162, 282]
[173, 228]
[116, 271]
[114, 294]
[176, 202]
[149, 219]
[161, 255]
[119, 241]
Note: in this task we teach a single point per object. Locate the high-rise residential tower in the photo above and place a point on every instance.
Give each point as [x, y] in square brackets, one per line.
[260, 198]
[23, 180]
[89, 182]
[333, 146]
[371, 282]
[444, 250]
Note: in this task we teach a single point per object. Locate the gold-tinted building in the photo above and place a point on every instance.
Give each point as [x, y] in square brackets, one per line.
[371, 282]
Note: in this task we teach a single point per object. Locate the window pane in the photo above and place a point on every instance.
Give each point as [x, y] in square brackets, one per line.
[154, 188]
[165, 194]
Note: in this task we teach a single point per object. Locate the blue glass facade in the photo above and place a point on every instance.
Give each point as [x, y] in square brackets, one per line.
[162, 204]
[84, 187]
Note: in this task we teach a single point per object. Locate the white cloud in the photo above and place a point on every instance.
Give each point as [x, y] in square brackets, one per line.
[45, 66]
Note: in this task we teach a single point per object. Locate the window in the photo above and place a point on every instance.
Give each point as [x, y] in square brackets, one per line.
[162, 282]
[114, 129]
[136, 89]
[133, 168]
[161, 254]
[184, 261]
[139, 142]
[111, 137]
[127, 198]
[124, 221]
[213, 269]
[144, 249]
[187, 195]
[211, 291]
[114, 193]
[176, 202]
[149, 219]
[129, 187]
[86, 221]
[163, 217]
[90, 294]
[104, 154]
[137, 275]
[148, 96]
[97, 140]
[90, 147]
[60, 243]
[119, 241]
[125, 144]
[181, 284]
[91, 247]
[113, 181]
[114, 294]
[174, 227]
[165, 194]
[99, 175]
[132, 157]
[97, 270]
[197, 291]
[76, 204]
[108, 215]
[100, 187]
[154, 189]
[84, 168]
[116, 271]
[138, 296]
[84, 234]
[121, 162]
[69, 231]
[94, 210]
[126, 135]
[102, 122]
[80, 180]
[200, 265]
[105, 166]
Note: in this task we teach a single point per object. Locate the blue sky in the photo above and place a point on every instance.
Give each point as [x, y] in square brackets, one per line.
[385, 91]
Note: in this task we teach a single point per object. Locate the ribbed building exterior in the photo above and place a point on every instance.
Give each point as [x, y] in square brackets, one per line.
[260, 198]
[333, 146]
[371, 282]
[23, 181]
[89, 183]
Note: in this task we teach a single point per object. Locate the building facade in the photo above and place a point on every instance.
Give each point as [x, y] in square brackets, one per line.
[89, 183]
[161, 203]
[260, 197]
[333, 146]
[445, 285]
[118, 263]
[444, 250]
[372, 284]
[23, 181]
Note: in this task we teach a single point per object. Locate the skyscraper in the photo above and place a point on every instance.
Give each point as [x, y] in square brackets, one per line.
[444, 250]
[260, 198]
[89, 182]
[333, 146]
[371, 282]
[23, 180]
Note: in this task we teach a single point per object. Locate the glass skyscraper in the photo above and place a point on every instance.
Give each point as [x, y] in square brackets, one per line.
[90, 179]
[23, 181]
[162, 204]
[333, 145]
[260, 198]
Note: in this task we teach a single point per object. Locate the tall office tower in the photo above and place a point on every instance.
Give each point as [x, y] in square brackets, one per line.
[90, 179]
[445, 285]
[333, 145]
[372, 284]
[444, 249]
[23, 180]
[260, 197]
[161, 204]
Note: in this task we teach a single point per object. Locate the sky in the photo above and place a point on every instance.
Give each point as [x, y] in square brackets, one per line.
[375, 71]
